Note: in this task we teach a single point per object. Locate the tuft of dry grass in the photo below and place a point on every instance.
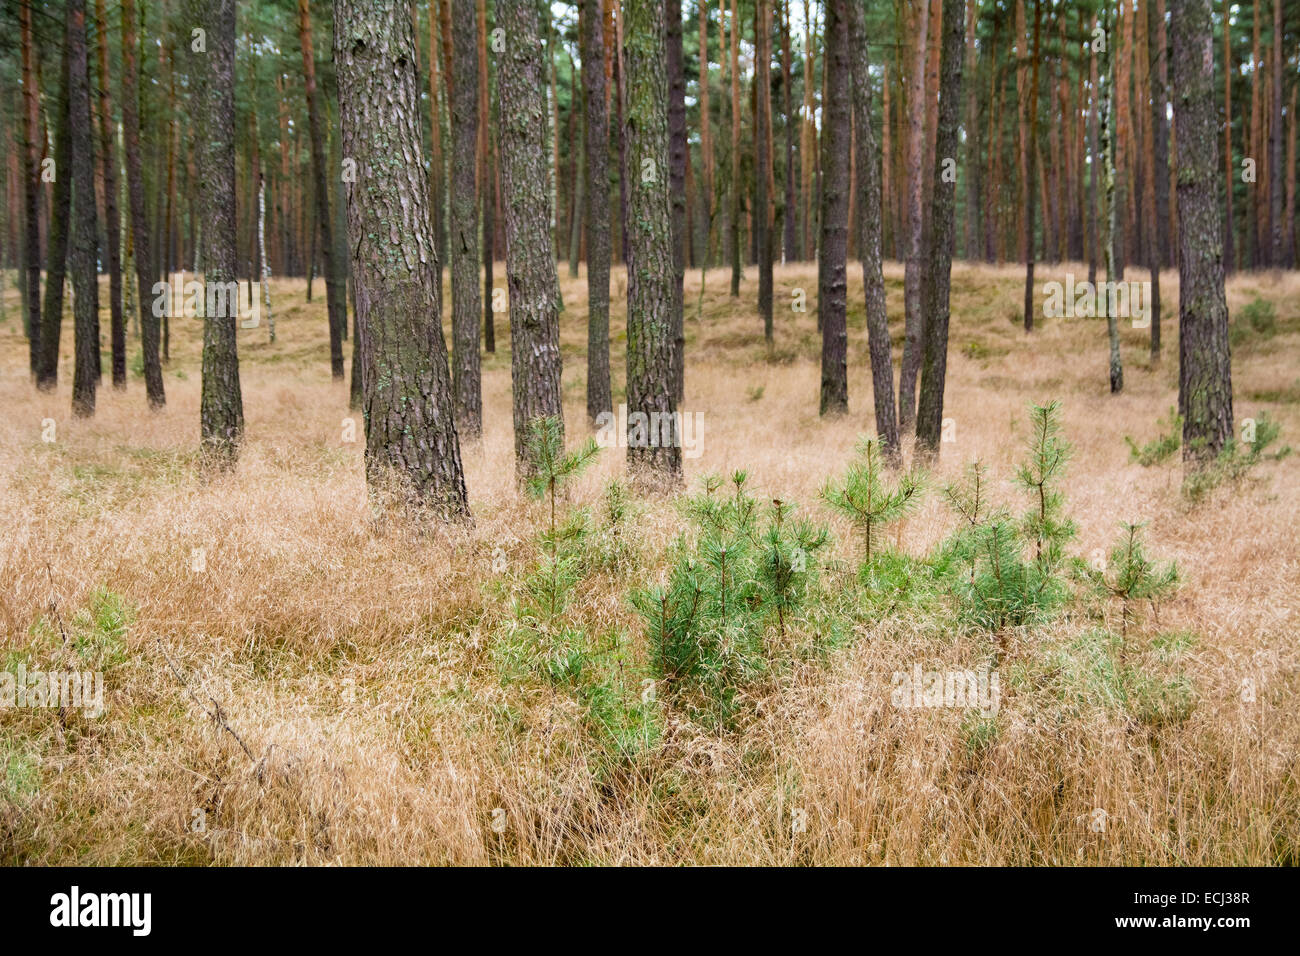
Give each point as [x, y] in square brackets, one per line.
[354, 654]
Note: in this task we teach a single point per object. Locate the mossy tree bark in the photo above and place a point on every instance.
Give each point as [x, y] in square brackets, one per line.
[929, 415]
[465, 300]
[410, 426]
[599, 396]
[1205, 367]
[531, 277]
[650, 269]
[832, 293]
[221, 411]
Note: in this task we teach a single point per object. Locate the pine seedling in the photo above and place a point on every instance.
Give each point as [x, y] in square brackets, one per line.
[1132, 576]
[784, 567]
[1163, 446]
[552, 466]
[864, 497]
[1046, 523]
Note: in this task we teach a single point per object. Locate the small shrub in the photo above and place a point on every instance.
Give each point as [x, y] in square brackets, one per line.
[867, 500]
[1162, 448]
[1132, 577]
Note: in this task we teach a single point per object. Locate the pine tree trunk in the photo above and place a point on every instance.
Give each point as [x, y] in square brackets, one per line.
[410, 425]
[142, 251]
[763, 160]
[32, 191]
[1154, 252]
[869, 229]
[677, 159]
[465, 302]
[914, 320]
[534, 287]
[734, 234]
[832, 297]
[221, 411]
[654, 454]
[438, 187]
[85, 235]
[1114, 260]
[1031, 167]
[1160, 126]
[789, 251]
[47, 369]
[599, 397]
[1275, 131]
[1094, 234]
[929, 416]
[1205, 366]
[108, 167]
[335, 279]
[487, 195]
[1229, 232]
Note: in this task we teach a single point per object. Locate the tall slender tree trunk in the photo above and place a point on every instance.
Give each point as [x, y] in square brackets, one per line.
[487, 189]
[56, 259]
[335, 279]
[1152, 155]
[869, 230]
[599, 397]
[221, 411]
[706, 141]
[1275, 135]
[1114, 260]
[832, 298]
[85, 231]
[112, 217]
[677, 160]
[734, 234]
[1229, 237]
[788, 218]
[465, 303]
[1205, 365]
[410, 425]
[914, 320]
[1094, 234]
[654, 454]
[438, 187]
[943, 210]
[1031, 167]
[530, 259]
[763, 159]
[32, 189]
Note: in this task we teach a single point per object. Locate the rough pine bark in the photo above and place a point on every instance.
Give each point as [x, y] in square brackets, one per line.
[734, 226]
[869, 229]
[788, 250]
[1160, 125]
[832, 295]
[1275, 131]
[929, 416]
[599, 397]
[465, 301]
[1155, 157]
[913, 270]
[83, 259]
[221, 410]
[335, 280]
[1205, 366]
[530, 260]
[487, 189]
[1094, 234]
[654, 455]
[1229, 237]
[142, 249]
[56, 259]
[108, 164]
[410, 425]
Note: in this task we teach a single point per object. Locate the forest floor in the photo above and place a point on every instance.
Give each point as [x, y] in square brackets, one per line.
[365, 715]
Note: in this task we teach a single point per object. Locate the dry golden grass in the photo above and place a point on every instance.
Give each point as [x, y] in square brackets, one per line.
[354, 658]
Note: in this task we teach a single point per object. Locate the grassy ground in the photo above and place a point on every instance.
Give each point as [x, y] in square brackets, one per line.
[366, 716]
